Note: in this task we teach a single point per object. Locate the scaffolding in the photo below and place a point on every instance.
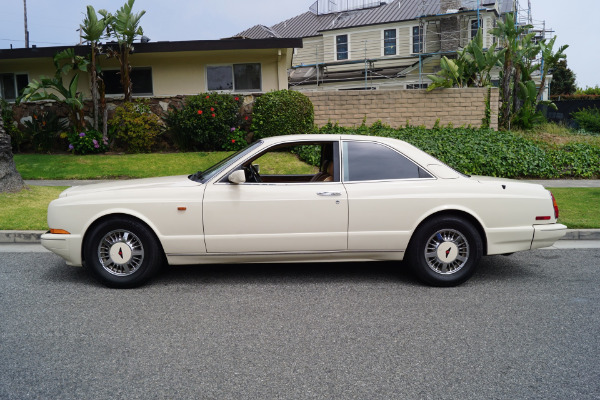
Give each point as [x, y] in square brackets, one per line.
[378, 62]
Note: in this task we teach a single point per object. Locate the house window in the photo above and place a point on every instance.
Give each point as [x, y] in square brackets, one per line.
[341, 44]
[417, 86]
[417, 39]
[389, 42]
[141, 81]
[475, 26]
[234, 77]
[11, 85]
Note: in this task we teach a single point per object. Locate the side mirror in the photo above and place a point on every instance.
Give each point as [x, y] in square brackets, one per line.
[237, 177]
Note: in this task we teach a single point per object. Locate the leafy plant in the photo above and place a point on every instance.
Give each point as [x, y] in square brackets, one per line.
[89, 142]
[64, 62]
[124, 26]
[17, 137]
[43, 130]
[282, 112]
[588, 119]
[489, 152]
[93, 29]
[236, 140]
[134, 128]
[205, 122]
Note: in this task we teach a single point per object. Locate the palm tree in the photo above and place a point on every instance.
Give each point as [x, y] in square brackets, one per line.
[10, 180]
[125, 27]
[93, 29]
[550, 60]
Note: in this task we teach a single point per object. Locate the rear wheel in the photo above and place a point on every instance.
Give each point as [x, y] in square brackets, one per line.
[122, 253]
[445, 251]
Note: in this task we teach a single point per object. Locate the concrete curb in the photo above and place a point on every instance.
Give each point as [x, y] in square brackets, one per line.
[34, 236]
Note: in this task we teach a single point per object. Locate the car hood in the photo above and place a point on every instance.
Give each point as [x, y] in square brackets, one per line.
[133, 184]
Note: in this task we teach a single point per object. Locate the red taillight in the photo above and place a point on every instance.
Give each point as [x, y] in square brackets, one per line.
[555, 205]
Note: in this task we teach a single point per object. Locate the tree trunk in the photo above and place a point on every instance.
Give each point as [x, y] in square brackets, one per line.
[125, 78]
[10, 180]
[94, 78]
[506, 103]
[516, 102]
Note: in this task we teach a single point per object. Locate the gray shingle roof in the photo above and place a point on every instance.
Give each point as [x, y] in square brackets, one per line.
[309, 24]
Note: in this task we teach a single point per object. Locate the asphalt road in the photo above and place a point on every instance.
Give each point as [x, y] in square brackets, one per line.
[525, 327]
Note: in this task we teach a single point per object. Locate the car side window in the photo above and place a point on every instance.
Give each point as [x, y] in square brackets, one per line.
[368, 161]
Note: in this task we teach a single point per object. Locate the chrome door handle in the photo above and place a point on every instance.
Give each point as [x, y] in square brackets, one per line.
[329, 193]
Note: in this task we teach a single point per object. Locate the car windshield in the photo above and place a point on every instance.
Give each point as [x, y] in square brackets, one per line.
[203, 176]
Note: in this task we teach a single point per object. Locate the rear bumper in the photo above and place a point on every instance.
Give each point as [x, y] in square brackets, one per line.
[547, 235]
[66, 246]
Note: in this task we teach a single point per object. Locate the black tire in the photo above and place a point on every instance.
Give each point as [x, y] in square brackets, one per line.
[445, 251]
[122, 253]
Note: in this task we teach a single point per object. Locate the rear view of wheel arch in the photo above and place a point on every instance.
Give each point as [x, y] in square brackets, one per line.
[461, 215]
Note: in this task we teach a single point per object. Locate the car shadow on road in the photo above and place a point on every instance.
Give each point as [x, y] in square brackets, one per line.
[288, 273]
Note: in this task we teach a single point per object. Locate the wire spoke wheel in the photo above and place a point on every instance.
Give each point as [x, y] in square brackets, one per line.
[447, 251]
[121, 252]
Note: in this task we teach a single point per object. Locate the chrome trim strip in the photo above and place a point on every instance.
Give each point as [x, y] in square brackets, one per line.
[277, 253]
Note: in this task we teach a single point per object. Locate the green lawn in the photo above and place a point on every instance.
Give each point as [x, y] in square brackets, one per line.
[579, 208]
[66, 166]
[26, 210]
[124, 166]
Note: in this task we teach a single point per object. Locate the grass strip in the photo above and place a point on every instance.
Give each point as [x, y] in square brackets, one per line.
[122, 166]
[27, 209]
[125, 166]
[579, 207]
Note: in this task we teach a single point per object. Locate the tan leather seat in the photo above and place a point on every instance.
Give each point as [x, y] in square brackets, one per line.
[326, 173]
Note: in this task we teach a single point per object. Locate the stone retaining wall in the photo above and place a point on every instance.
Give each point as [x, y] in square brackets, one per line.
[347, 108]
[460, 107]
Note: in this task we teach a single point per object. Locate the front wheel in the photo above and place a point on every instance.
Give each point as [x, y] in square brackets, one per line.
[122, 253]
[445, 251]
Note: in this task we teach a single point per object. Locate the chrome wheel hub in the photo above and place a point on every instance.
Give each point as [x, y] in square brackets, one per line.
[121, 252]
[447, 251]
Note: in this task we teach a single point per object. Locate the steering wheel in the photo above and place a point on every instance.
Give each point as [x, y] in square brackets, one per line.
[253, 174]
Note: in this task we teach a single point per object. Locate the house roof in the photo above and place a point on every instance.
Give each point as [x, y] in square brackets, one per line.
[163, 47]
[310, 24]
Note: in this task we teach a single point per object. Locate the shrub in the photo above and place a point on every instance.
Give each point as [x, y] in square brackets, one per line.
[134, 128]
[284, 112]
[43, 131]
[88, 142]
[488, 152]
[17, 137]
[205, 121]
[236, 140]
[588, 119]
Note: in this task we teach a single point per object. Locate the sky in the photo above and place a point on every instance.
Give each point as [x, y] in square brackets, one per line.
[55, 23]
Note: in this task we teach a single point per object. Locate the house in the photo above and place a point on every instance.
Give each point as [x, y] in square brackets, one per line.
[369, 44]
[167, 68]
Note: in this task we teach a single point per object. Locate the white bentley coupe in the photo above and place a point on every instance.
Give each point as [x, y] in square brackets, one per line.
[368, 198]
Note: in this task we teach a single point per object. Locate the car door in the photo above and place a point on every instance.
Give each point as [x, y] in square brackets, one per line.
[386, 193]
[289, 215]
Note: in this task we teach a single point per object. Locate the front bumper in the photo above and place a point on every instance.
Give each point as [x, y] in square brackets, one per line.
[547, 235]
[66, 246]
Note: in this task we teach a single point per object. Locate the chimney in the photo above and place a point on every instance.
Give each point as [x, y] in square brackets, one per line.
[446, 5]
